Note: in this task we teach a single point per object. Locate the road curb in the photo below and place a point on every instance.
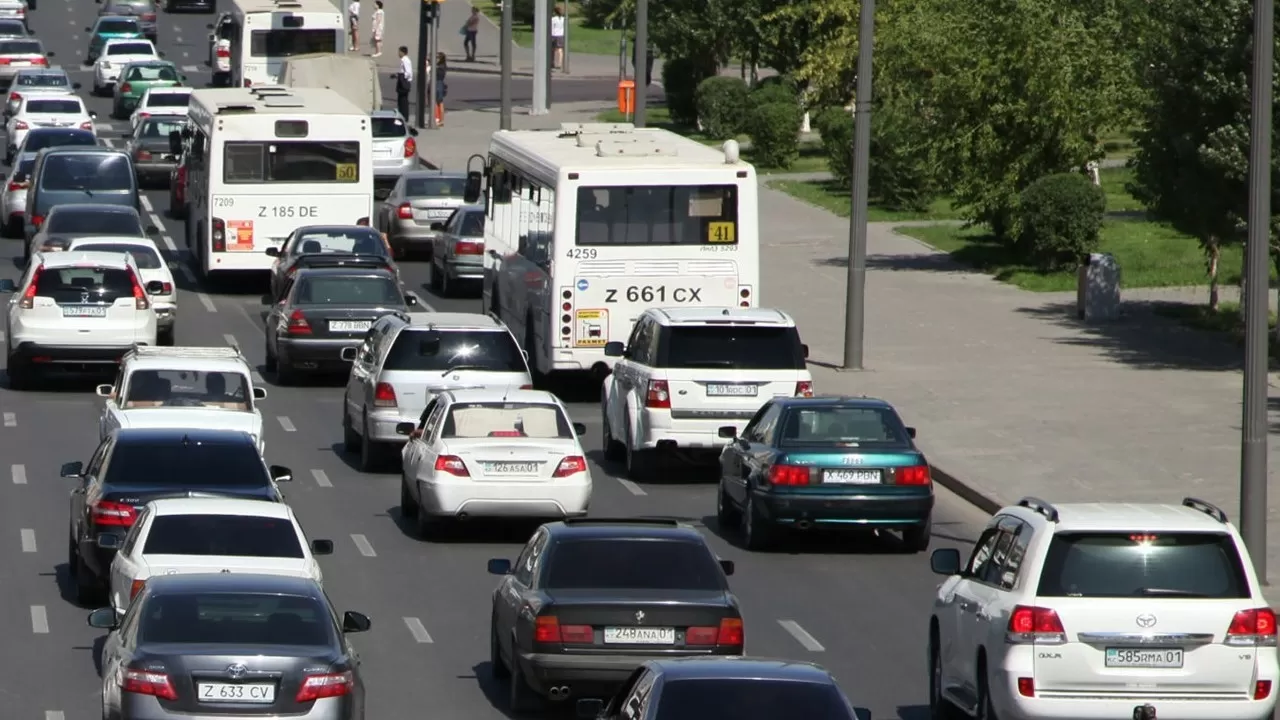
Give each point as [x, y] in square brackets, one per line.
[968, 493]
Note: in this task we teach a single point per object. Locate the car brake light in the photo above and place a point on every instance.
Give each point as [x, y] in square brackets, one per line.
[405, 211]
[914, 475]
[1262, 690]
[728, 633]
[571, 465]
[86, 125]
[453, 465]
[410, 147]
[16, 186]
[222, 53]
[40, 61]
[37, 220]
[21, 125]
[219, 235]
[468, 247]
[547, 629]
[789, 475]
[105, 512]
[147, 682]
[126, 88]
[29, 295]
[804, 388]
[5, 61]
[166, 288]
[658, 396]
[316, 687]
[298, 324]
[384, 395]
[526, 387]
[1252, 627]
[136, 588]
[14, 97]
[363, 222]
[149, 16]
[1034, 625]
[143, 115]
[141, 154]
[139, 294]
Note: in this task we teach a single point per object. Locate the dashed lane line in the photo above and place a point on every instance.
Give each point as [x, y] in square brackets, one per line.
[10, 420]
[802, 636]
[169, 243]
[146, 204]
[287, 424]
[322, 478]
[28, 540]
[418, 631]
[190, 68]
[231, 340]
[363, 545]
[54, 714]
[19, 473]
[207, 302]
[39, 620]
[631, 487]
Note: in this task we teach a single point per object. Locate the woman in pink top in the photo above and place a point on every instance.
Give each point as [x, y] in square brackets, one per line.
[379, 24]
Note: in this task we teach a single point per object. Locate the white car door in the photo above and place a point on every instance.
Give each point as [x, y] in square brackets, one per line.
[970, 599]
[411, 456]
[126, 566]
[430, 441]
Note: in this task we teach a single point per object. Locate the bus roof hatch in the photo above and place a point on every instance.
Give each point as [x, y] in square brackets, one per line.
[611, 148]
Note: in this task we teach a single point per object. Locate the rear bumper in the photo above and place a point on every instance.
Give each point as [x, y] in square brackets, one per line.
[147, 707]
[383, 421]
[659, 428]
[71, 354]
[318, 354]
[587, 674]
[410, 234]
[835, 509]
[155, 170]
[550, 499]
[464, 269]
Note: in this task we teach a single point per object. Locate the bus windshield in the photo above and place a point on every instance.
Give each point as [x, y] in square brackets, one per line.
[291, 161]
[287, 42]
[621, 215]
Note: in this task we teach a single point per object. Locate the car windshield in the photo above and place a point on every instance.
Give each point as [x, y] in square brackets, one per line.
[439, 350]
[750, 699]
[1143, 564]
[356, 241]
[435, 187]
[227, 535]
[168, 99]
[110, 221]
[20, 47]
[159, 128]
[471, 225]
[631, 564]
[144, 257]
[90, 172]
[740, 347]
[84, 285]
[40, 139]
[138, 48]
[118, 27]
[187, 388]
[347, 291]
[42, 80]
[227, 618]
[514, 420]
[838, 426]
[187, 464]
[55, 107]
[152, 73]
[388, 127]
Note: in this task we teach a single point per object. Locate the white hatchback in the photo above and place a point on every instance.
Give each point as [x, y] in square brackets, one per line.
[167, 101]
[116, 53]
[151, 266]
[493, 453]
[45, 111]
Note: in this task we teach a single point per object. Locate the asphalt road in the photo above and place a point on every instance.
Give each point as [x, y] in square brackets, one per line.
[852, 604]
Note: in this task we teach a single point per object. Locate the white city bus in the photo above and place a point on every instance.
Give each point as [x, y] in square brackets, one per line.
[266, 160]
[250, 42]
[591, 224]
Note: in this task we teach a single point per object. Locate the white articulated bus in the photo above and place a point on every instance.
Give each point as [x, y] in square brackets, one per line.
[250, 42]
[590, 225]
[266, 160]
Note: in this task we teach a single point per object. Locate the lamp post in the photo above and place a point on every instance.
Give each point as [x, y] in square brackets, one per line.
[856, 284]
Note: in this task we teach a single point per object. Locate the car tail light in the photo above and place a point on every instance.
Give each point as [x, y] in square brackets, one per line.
[571, 465]
[405, 211]
[16, 186]
[1252, 627]
[105, 512]
[728, 633]
[804, 388]
[248, 82]
[5, 61]
[658, 395]
[222, 53]
[914, 475]
[141, 154]
[166, 288]
[1034, 625]
[468, 247]
[526, 387]
[410, 148]
[1027, 687]
[547, 629]
[86, 125]
[139, 293]
[42, 62]
[1262, 690]
[298, 324]
[789, 475]
[384, 395]
[150, 17]
[143, 115]
[147, 682]
[29, 295]
[21, 124]
[363, 222]
[315, 687]
[136, 588]
[14, 97]
[126, 88]
[219, 235]
[453, 465]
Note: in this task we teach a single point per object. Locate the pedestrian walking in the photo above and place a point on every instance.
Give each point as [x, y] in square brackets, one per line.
[404, 83]
[353, 22]
[557, 38]
[379, 24]
[469, 33]
[442, 87]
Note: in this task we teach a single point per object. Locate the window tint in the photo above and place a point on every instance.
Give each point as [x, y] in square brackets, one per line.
[345, 291]
[292, 161]
[20, 47]
[153, 73]
[144, 257]
[477, 420]
[435, 187]
[493, 350]
[844, 427]
[741, 347]
[749, 700]
[185, 388]
[168, 99]
[158, 128]
[95, 172]
[12, 27]
[235, 619]
[354, 241]
[23, 173]
[388, 127]
[287, 42]
[41, 139]
[472, 224]
[138, 48]
[55, 107]
[84, 285]
[226, 535]
[107, 221]
[191, 465]
[43, 80]
[613, 564]
[658, 215]
[118, 27]
[1202, 565]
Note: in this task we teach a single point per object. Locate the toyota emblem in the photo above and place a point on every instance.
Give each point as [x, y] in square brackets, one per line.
[1146, 620]
[236, 671]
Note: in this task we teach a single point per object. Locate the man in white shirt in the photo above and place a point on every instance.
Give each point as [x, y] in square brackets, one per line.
[557, 38]
[404, 82]
[353, 19]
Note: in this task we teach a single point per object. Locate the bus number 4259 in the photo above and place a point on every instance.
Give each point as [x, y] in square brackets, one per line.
[650, 293]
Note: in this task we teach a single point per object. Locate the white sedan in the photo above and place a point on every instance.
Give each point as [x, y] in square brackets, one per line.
[36, 111]
[210, 535]
[117, 53]
[493, 453]
[152, 266]
[166, 101]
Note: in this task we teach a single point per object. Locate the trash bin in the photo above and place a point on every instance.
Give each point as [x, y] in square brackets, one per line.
[626, 97]
[1098, 288]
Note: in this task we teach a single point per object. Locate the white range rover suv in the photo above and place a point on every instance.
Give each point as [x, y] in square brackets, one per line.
[76, 309]
[1103, 610]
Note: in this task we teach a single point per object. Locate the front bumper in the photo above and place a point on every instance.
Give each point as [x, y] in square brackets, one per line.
[590, 674]
[875, 508]
[550, 499]
[314, 354]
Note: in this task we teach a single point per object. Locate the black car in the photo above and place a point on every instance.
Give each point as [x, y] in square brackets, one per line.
[148, 145]
[132, 467]
[589, 600]
[328, 246]
[320, 311]
[40, 138]
[724, 689]
[69, 221]
[232, 645]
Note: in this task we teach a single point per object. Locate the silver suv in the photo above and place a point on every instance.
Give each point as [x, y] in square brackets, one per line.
[395, 150]
[406, 359]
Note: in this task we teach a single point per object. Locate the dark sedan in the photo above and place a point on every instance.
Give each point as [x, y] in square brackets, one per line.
[148, 145]
[328, 246]
[133, 467]
[457, 256]
[69, 221]
[320, 311]
[144, 10]
[231, 645]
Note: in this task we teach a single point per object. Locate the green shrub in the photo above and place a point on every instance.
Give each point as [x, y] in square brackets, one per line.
[828, 117]
[774, 129]
[722, 105]
[521, 12]
[596, 13]
[680, 80]
[903, 173]
[765, 92]
[835, 126]
[1058, 219]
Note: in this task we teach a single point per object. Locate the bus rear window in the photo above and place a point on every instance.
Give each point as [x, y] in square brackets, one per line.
[292, 41]
[291, 161]
[658, 215]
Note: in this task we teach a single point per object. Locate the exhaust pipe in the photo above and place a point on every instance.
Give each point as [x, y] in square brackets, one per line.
[559, 693]
[804, 524]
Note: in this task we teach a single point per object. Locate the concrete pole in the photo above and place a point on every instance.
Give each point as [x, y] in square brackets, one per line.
[856, 285]
[641, 54]
[504, 53]
[541, 56]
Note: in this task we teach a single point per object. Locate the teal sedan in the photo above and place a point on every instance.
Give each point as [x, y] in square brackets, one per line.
[838, 462]
[110, 27]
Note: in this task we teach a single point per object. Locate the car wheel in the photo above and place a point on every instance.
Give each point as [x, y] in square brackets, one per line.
[915, 539]
[985, 710]
[350, 440]
[370, 453]
[940, 708]
[757, 535]
[437, 284]
[613, 450]
[408, 506]
[522, 698]
[727, 515]
[89, 589]
[285, 374]
[497, 667]
[425, 525]
[639, 461]
[165, 338]
[269, 361]
[19, 373]
[447, 287]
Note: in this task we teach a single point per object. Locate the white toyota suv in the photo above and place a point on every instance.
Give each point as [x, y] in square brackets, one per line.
[1103, 610]
[687, 372]
[76, 309]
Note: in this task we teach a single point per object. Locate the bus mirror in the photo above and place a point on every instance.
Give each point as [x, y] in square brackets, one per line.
[175, 142]
[472, 192]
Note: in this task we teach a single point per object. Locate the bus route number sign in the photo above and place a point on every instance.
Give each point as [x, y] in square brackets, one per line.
[346, 172]
[721, 233]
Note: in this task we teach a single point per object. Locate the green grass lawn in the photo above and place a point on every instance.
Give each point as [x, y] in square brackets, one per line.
[592, 41]
[1226, 319]
[1118, 145]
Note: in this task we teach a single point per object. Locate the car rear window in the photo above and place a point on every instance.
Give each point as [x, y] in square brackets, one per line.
[44, 80]
[349, 242]
[144, 257]
[169, 100]
[230, 535]
[152, 73]
[138, 48]
[226, 618]
[739, 347]
[187, 388]
[436, 187]
[632, 564]
[40, 139]
[346, 291]
[104, 222]
[20, 47]
[749, 699]
[472, 224]
[844, 427]
[92, 172]
[114, 27]
[23, 171]
[12, 27]
[1141, 564]
[84, 285]
[493, 350]
[189, 464]
[158, 128]
[385, 127]
[55, 107]
[525, 420]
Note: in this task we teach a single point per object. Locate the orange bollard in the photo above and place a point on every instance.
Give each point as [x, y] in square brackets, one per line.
[626, 97]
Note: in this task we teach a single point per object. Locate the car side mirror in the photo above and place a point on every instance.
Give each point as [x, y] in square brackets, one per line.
[727, 566]
[153, 230]
[93, 115]
[471, 193]
[589, 708]
[728, 432]
[280, 473]
[104, 619]
[411, 300]
[614, 349]
[354, 622]
[75, 86]
[127, 135]
[7, 286]
[579, 429]
[72, 470]
[86, 62]
[499, 566]
[437, 226]
[104, 390]
[321, 547]
[182, 78]
[804, 350]
[160, 54]
[945, 561]
[259, 393]
[273, 252]
[155, 287]
[349, 354]
[209, 26]
[51, 54]
[405, 428]
[911, 432]
[413, 131]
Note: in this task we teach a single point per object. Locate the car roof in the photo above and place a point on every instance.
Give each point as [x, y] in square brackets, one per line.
[234, 582]
[150, 61]
[454, 321]
[721, 316]
[51, 131]
[428, 174]
[122, 41]
[96, 240]
[345, 272]
[1122, 517]
[629, 528]
[842, 400]
[497, 395]
[65, 208]
[310, 229]
[221, 506]
[173, 436]
[57, 260]
[81, 150]
[742, 668]
[23, 39]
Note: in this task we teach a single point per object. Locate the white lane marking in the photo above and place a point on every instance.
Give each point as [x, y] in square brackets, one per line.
[322, 478]
[362, 544]
[54, 714]
[631, 487]
[177, 39]
[801, 635]
[287, 424]
[190, 68]
[39, 620]
[231, 340]
[146, 204]
[10, 420]
[257, 378]
[108, 142]
[155, 220]
[19, 474]
[208, 303]
[28, 540]
[169, 243]
[418, 631]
